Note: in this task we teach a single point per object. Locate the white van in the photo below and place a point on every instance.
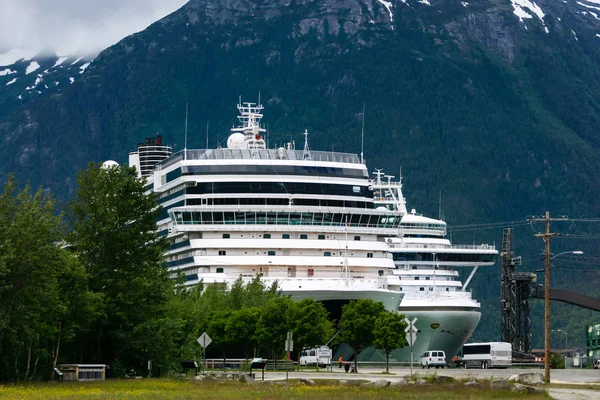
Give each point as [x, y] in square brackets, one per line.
[433, 358]
[318, 355]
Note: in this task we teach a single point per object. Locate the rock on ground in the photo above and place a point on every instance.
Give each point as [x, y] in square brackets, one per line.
[526, 389]
[528, 378]
[499, 384]
[472, 384]
[307, 381]
[246, 379]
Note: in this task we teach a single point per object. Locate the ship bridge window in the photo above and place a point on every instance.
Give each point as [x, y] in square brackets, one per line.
[369, 255]
[219, 270]
[271, 253]
[222, 252]
[356, 237]
[285, 236]
[226, 236]
[421, 289]
[321, 237]
[327, 254]
[303, 236]
[416, 278]
[267, 236]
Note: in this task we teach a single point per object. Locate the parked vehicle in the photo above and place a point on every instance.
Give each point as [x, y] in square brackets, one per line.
[487, 355]
[596, 364]
[433, 358]
[318, 355]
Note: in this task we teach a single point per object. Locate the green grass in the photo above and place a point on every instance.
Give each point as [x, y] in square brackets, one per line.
[176, 390]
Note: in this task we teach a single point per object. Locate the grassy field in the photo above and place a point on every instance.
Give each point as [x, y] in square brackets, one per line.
[176, 390]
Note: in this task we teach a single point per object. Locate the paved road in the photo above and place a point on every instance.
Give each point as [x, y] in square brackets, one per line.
[566, 376]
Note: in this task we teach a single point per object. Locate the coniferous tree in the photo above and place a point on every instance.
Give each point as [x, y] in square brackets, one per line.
[114, 223]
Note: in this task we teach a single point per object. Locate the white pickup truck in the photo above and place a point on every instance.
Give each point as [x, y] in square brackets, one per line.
[317, 355]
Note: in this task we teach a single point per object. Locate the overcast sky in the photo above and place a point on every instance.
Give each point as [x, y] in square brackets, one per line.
[75, 26]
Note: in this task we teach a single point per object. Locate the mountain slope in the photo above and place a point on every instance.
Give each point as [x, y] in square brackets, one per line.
[494, 103]
[27, 76]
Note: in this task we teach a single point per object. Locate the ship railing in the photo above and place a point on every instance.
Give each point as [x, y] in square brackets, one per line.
[433, 246]
[264, 154]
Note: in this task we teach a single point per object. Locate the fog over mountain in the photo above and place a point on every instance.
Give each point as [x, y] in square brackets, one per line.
[76, 26]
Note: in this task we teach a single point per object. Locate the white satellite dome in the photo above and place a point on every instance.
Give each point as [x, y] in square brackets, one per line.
[381, 208]
[109, 164]
[235, 141]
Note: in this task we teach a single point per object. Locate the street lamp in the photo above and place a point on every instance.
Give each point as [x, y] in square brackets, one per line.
[566, 344]
[547, 305]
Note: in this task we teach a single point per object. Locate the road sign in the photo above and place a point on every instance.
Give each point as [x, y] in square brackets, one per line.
[204, 340]
[411, 336]
[289, 345]
[411, 339]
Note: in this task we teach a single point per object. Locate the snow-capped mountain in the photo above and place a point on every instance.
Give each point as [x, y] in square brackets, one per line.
[28, 75]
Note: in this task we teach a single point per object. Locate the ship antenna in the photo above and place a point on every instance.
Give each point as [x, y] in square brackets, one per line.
[206, 135]
[362, 138]
[259, 98]
[186, 132]
[306, 154]
[440, 206]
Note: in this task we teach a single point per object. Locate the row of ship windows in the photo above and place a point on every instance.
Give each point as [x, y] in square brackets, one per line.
[280, 187]
[264, 170]
[253, 169]
[444, 257]
[288, 236]
[427, 278]
[245, 201]
[274, 253]
[283, 218]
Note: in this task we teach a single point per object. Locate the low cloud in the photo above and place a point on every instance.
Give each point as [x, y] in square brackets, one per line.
[76, 26]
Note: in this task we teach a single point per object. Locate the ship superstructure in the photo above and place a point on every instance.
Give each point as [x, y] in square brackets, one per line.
[426, 265]
[303, 219]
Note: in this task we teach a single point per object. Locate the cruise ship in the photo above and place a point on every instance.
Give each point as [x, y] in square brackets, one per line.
[301, 219]
[426, 264]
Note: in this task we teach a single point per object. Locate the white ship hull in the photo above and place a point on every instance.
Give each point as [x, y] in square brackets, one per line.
[455, 327]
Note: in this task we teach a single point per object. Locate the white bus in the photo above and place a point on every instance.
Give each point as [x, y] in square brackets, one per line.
[487, 355]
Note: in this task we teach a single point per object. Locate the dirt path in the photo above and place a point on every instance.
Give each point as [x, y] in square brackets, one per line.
[574, 394]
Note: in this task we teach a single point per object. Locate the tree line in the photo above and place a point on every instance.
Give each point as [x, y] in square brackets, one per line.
[88, 285]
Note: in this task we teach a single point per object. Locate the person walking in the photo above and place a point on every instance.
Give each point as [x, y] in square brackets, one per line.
[340, 361]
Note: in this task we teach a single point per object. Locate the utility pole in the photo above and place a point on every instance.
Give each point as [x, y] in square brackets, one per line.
[547, 235]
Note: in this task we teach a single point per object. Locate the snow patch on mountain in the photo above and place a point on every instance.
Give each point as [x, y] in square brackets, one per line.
[33, 66]
[59, 61]
[388, 6]
[519, 7]
[83, 68]
[588, 6]
[7, 71]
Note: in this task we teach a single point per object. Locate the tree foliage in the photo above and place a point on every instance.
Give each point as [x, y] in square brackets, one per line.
[389, 334]
[113, 223]
[43, 289]
[358, 323]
